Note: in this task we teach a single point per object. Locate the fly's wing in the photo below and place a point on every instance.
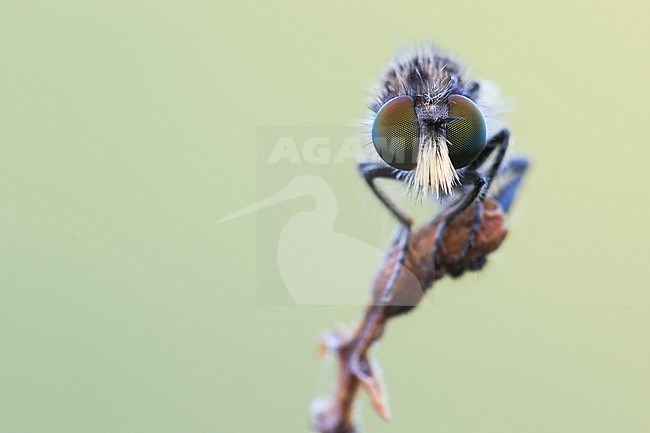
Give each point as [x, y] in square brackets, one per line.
[506, 184]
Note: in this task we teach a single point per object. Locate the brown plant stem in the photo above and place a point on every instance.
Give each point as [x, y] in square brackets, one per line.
[356, 369]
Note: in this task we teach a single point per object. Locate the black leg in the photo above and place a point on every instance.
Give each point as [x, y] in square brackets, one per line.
[510, 179]
[500, 142]
[497, 141]
[477, 191]
[476, 224]
[372, 171]
[504, 192]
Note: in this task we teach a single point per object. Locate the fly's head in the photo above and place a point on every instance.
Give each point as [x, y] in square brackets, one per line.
[427, 120]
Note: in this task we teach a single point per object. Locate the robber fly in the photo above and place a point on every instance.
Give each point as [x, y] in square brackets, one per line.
[438, 132]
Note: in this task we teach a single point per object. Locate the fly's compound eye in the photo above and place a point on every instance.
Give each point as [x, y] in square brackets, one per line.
[466, 133]
[396, 134]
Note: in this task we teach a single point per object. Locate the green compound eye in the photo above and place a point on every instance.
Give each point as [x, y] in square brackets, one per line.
[396, 134]
[467, 134]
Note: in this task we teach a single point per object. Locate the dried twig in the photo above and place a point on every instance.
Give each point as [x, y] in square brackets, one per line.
[355, 366]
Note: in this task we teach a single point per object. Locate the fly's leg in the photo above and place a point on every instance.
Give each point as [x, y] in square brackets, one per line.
[512, 173]
[476, 224]
[510, 178]
[371, 172]
[500, 143]
[475, 194]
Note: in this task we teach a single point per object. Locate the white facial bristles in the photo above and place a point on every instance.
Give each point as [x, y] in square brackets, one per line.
[434, 172]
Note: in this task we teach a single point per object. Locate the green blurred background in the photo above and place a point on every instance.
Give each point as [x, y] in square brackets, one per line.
[128, 128]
